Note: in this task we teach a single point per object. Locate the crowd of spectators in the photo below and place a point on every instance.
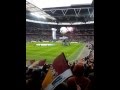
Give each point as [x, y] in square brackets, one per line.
[39, 32]
[82, 78]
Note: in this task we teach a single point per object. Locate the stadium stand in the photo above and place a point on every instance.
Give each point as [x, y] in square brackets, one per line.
[38, 33]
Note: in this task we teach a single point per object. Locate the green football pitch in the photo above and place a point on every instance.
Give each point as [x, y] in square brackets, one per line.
[49, 53]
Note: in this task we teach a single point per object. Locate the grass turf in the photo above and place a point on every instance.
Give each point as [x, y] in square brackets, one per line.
[51, 52]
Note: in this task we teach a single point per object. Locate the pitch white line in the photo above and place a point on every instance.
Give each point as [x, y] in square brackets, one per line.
[79, 54]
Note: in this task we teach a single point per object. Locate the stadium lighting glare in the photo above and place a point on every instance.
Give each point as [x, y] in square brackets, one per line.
[58, 3]
[37, 15]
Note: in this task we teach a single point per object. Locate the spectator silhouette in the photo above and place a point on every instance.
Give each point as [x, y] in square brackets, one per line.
[80, 79]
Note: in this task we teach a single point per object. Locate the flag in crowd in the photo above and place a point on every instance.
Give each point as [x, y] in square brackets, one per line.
[57, 73]
[38, 63]
[29, 62]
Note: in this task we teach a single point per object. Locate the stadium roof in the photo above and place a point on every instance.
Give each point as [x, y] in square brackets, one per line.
[35, 11]
[60, 11]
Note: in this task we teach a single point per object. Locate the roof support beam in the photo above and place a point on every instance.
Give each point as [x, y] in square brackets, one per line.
[53, 11]
[89, 12]
[92, 15]
[64, 12]
[77, 14]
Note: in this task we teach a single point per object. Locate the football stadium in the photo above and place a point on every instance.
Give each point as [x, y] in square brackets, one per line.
[60, 45]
